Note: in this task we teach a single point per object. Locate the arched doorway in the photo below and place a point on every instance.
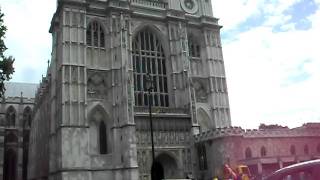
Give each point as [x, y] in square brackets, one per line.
[10, 165]
[157, 172]
[164, 167]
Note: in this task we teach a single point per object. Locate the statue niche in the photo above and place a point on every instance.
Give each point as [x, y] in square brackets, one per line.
[97, 85]
[201, 91]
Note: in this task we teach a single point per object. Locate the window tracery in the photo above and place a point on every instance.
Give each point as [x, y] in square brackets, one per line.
[95, 35]
[149, 58]
[194, 48]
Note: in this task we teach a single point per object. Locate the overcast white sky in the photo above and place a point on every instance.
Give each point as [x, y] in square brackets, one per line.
[271, 52]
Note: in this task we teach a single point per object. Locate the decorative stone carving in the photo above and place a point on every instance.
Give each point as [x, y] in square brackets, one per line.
[201, 91]
[97, 84]
[163, 138]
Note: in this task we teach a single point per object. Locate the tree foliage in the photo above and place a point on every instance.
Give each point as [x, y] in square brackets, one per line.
[6, 63]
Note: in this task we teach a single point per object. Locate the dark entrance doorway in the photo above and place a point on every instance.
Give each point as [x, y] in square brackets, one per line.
[165, 167]
[10, 165]
[157, 172]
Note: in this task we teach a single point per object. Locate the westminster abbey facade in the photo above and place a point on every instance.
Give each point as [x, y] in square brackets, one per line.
[91, 118]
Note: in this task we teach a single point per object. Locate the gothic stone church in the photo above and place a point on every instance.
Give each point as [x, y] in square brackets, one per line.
[90, 118]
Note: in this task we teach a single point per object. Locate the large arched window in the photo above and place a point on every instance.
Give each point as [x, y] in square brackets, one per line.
[11, 117]
[148, 58]
[248, 153]
[103, 138]
[95, 35]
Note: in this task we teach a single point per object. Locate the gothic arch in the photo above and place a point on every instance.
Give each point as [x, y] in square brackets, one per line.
[169, 164]
[194, 45]
[248, 153]
[27, 117]
[10, 164]
[95, 34]
[149, 57]
[159, 34]
[11, 116]
[263, 151]
[204, 120]
[99, 130]
[10, 138]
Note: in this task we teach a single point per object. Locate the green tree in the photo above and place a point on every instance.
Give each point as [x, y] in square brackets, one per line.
[6, 63]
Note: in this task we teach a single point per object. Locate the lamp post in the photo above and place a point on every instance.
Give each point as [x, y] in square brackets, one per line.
[149, 85]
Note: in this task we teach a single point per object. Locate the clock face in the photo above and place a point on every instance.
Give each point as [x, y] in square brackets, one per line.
[189, 6]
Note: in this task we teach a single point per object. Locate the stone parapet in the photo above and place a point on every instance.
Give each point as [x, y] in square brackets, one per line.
[219, 133]
[16, 100]
[303, 131]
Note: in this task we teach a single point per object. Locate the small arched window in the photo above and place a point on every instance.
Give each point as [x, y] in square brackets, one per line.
[248, 153]
[103, 138]
[27, 115]
[95, 35]
[293, 150]
[318, 148]
[11, 117]
[194, 48]
[306, 149]
[263, 151]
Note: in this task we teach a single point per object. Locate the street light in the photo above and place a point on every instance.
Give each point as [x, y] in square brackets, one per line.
[149, 85]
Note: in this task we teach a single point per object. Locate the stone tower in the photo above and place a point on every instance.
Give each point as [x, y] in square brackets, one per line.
[96, 94]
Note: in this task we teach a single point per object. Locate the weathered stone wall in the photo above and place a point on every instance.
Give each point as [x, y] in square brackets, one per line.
[229, 146]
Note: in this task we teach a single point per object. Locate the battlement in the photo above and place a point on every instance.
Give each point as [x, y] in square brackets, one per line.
[219, 133]
[307, 130]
